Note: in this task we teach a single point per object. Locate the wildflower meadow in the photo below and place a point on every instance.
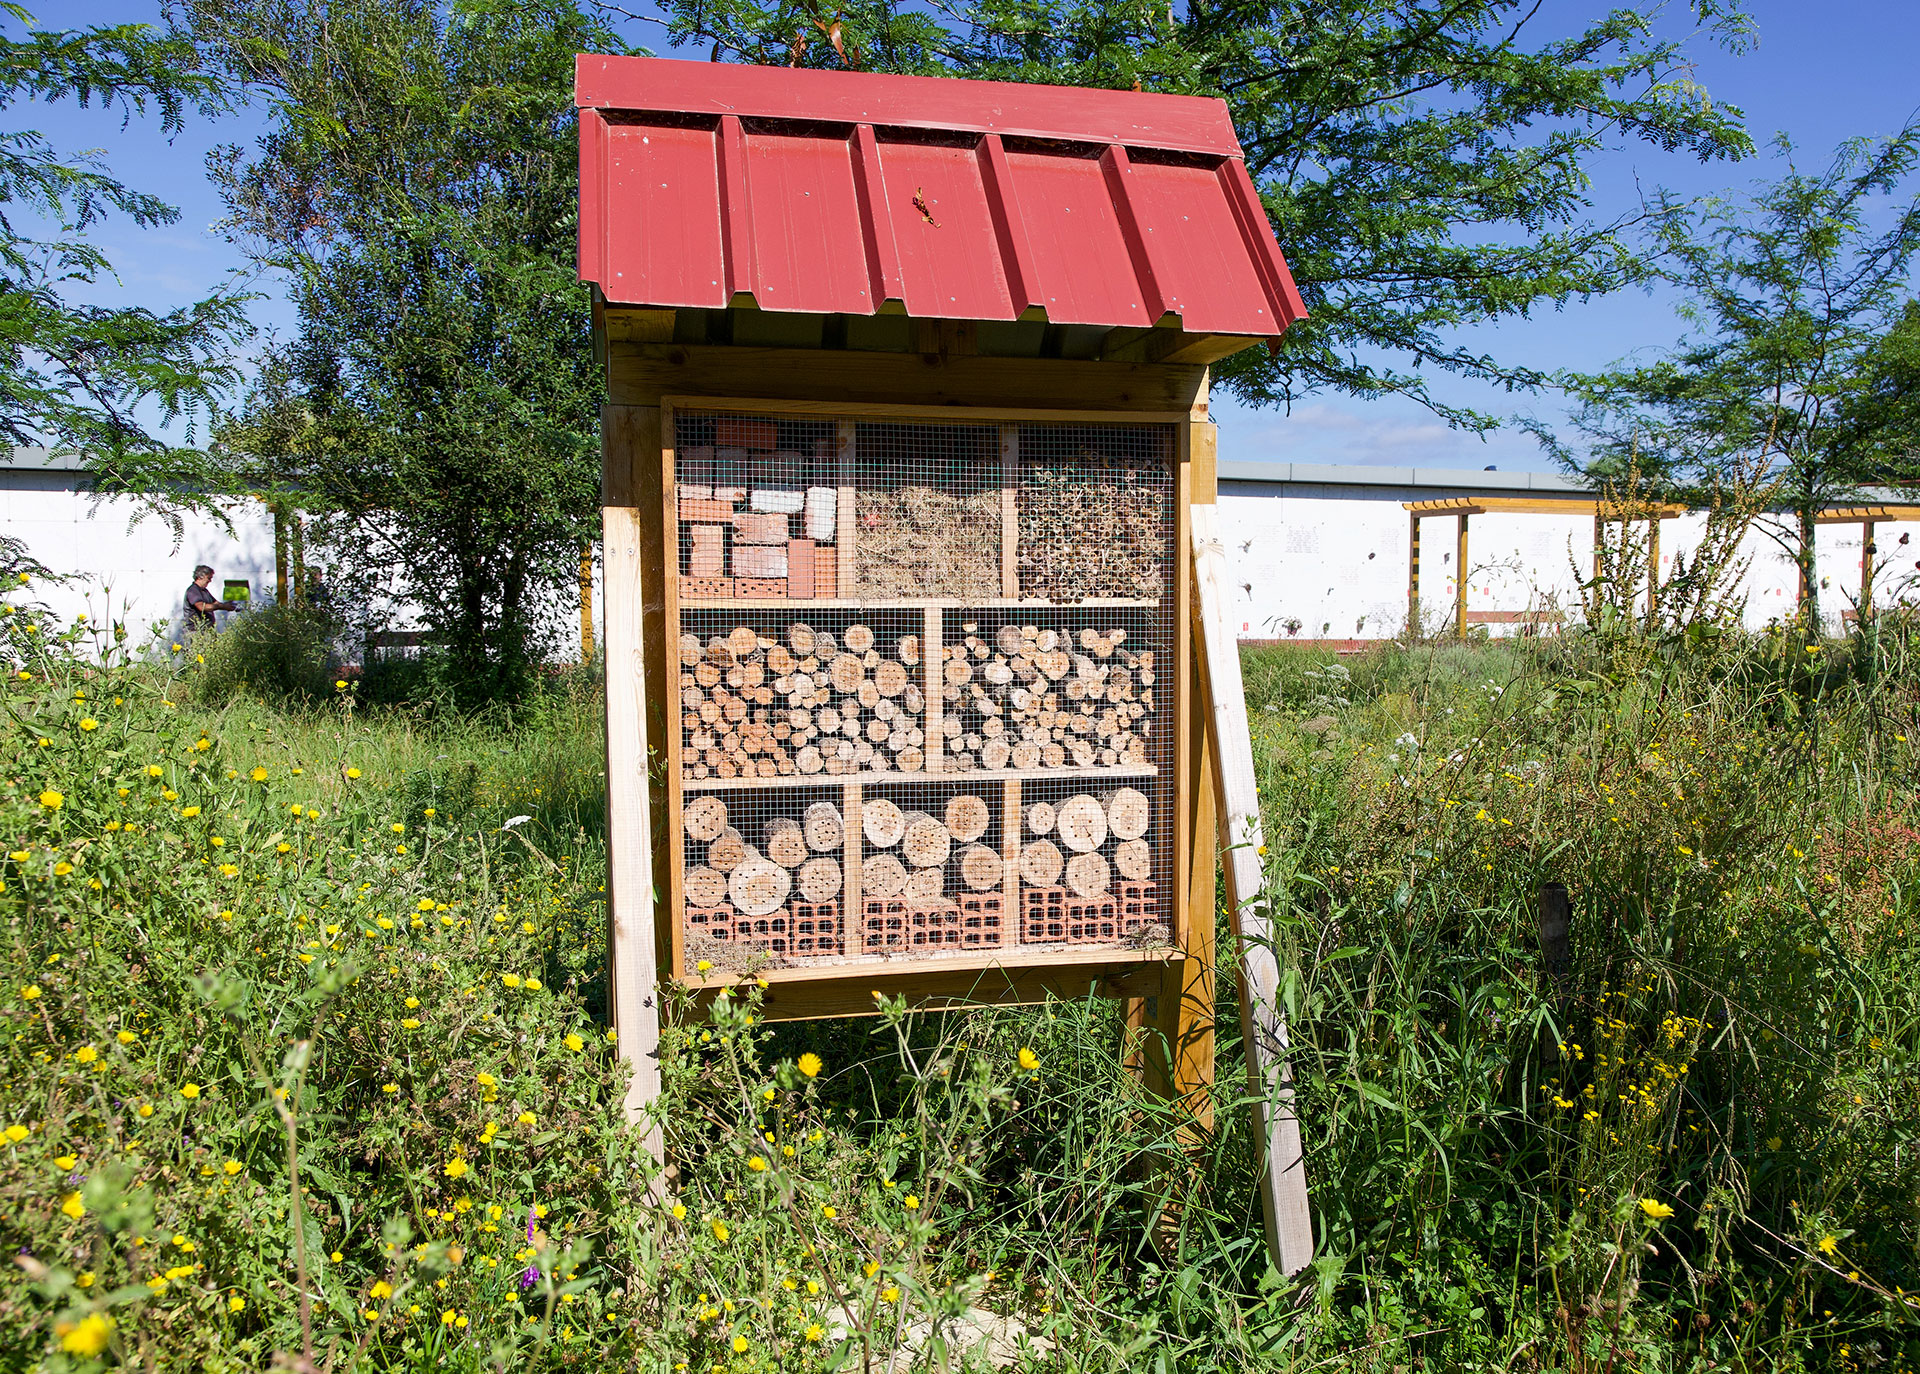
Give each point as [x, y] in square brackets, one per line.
[307, 1061]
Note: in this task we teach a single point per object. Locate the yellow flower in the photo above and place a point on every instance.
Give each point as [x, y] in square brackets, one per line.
[816, 1331]
[89, 723]
[189, 1090]
[574, 1042]
[485, 1080]
[1655, 1209]
[381, 1289]
[52, 800]
[353, 772]
[389, 1087]
[258, 775]
[510, 979]
[86, 1337]
[739, 1345]
[1028, 1059]
[829, 1212]
[810, 1065]
[679, 1211]
[73, 1206]
[62, 869]
[757, 1164]
[910, 1202]
[456, 1167]
[1829, 1245]
[446, 1317]
[154, 770]
[527, 1119]
[889, 1294]
[86, 1054]
[408, 1023]
[399, 829]
[20, 856]
[29, 992]
[66, 1161]
[702, 966]
[1774, 1142]
[533, 985]
[720, 1232]
[236, 1303]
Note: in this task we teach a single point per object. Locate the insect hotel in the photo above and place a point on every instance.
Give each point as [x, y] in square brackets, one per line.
[907, 422]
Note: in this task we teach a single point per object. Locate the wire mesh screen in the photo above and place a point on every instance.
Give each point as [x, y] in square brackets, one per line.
[926, 689]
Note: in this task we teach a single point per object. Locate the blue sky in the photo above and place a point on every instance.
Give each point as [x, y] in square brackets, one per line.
[1820, 72]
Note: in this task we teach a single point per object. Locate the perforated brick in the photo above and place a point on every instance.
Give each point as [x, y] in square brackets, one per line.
[816, 928]
[760, 586]
[714, 922]
[1056, 916]
[884, 925]
[890, 924]
[799, 928]
[982, 920]
[706, 586]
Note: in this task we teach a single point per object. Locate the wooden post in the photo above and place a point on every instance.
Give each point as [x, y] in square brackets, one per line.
[1460, 576]
[279, 554]
[1283, 1176]
[586, 603]
[844, 439]
[1866, 572]
[630, 445]
[1413, 574]
[1009, 510]
[1653, 569]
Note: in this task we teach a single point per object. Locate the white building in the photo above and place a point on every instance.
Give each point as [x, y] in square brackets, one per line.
[1319, 553]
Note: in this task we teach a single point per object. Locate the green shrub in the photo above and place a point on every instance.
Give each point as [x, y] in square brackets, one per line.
[281, 654]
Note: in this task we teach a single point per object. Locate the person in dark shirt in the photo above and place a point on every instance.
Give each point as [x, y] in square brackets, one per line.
[201, 603]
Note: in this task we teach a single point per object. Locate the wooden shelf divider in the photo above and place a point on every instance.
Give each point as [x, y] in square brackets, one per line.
[852, 924]
[933, 679]
[1097, 773]
[1010, 855]
[844, 467]
[1009, 511]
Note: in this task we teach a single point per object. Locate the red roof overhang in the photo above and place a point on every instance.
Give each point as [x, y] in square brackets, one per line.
[711, 184]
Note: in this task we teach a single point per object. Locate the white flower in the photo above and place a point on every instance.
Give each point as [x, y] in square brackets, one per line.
[517, 820]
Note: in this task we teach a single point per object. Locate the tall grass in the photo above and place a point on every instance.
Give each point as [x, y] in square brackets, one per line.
[1688, 1149]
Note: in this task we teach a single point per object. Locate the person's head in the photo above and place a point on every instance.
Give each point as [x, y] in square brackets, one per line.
[202, 575]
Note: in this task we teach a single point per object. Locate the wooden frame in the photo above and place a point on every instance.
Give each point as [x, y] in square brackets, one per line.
[803, 988]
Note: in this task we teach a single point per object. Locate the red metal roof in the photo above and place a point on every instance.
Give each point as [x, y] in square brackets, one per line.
[835, 192]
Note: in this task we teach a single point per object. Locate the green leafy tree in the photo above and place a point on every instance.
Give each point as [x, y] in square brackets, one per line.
[1797, 379]
[1423, 161]
[418, 187]
[92, 378]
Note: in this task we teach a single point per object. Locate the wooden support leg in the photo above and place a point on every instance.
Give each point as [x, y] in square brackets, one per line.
[1283, 1175]
[1460, 578]
[630, 437]
[1413, 574]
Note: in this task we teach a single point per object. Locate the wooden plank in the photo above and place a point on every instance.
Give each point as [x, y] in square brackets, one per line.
[629, 436]
[850, 859]
[642, 373]
[1010, 853]
[933, 414]
[666, 751]
[958, 981]
[932, 684]
[1009, 511]
[1178, 713]
[1413, 573]
[1460, 575]
[1203, 444]
[844, 434]
[1284, 1177]
[1097, 773]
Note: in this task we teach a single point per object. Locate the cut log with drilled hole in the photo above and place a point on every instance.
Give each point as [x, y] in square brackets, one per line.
[819, 880]
[926, 884]
[1040, 818]
[824, 829]
[1088, 875]
[1081, 823]
[742, 641]
[759, 887]
[704, 818]
[800, 639]
[891, 678]
[808, 760]
[1128, 812]
[846, 674]
[1040, 863]
[691, 650]
[910, 760]
[883, 876]
[1133, 860]
[858, 638]
[728, 850]
[783, 842]
[881, 822]
[995, 753]
[967, 817]
[924, 841]
[705, 886]
[981, 868]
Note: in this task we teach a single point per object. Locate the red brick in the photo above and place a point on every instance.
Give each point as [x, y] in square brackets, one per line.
[751, 527]
[762, 587]
[800, 557]
[732, 432]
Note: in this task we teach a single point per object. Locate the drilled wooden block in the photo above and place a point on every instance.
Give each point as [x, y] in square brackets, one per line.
[760, 586]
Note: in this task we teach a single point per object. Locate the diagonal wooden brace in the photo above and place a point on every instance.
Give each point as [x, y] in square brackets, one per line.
[1283, 1176]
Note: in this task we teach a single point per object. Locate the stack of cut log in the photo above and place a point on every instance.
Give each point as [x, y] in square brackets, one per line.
[921, 857]
[763, 533]
[804, 702]
[796, 858]
[1029, 697]
[1087, 841]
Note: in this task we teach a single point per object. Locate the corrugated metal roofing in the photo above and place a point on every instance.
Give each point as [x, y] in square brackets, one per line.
[837, 192]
